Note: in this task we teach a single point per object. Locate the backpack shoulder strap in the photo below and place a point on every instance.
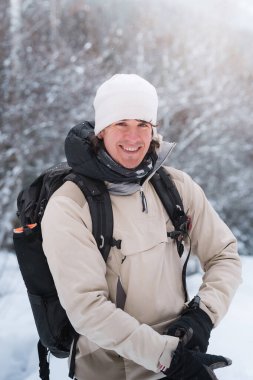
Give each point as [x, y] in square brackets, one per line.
[172, 202]
[100, 206]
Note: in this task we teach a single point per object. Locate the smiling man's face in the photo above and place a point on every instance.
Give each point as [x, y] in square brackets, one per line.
[127, 141]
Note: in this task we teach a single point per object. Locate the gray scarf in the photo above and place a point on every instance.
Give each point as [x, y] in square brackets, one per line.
[127, 188]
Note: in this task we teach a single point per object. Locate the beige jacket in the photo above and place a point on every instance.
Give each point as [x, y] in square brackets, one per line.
[129, 344]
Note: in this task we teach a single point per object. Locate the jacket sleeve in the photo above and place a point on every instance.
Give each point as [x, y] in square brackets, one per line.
[216, 247]
[79, 272]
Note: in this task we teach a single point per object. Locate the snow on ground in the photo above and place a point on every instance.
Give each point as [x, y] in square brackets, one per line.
[233, 337]
[18, 355]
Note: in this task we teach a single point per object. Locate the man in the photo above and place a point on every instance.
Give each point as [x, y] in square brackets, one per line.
[131, 313]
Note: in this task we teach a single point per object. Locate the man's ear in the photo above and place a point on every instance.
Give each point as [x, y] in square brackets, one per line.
[100, 135]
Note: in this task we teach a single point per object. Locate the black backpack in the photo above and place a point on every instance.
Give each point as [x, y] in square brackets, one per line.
[54, 328]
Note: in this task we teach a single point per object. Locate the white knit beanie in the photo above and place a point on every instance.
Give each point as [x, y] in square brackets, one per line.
[125, 96]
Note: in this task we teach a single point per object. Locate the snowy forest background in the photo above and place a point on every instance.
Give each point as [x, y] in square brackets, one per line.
[199, 55]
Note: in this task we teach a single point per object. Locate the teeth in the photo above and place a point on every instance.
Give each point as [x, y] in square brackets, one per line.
[130, 149]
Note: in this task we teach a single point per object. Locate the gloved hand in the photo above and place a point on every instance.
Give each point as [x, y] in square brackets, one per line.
[191, 365]
[199, 322]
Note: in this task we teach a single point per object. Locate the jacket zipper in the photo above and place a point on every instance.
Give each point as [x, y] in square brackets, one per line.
[143, 201]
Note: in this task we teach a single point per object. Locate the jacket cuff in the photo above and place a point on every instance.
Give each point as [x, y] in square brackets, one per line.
[166, 357]
[207, 311]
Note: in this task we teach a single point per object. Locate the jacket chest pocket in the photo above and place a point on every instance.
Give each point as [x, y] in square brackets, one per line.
[141, 234]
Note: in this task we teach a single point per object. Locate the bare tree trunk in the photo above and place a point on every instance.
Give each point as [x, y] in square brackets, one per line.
[16, 75]
[15, 35]
[55, 11]
[12, 155]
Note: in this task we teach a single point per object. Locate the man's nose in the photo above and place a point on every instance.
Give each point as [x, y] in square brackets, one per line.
[132, 133]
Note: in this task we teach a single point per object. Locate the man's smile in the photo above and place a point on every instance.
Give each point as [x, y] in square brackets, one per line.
[131, 149]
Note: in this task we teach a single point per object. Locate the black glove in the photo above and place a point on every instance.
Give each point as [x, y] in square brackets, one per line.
[201, 325]
[191, 365]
